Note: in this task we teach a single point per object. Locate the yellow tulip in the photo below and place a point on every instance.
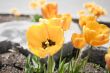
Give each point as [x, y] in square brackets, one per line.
[95, 9]
[45, 39]
[84, 19]
[50, 11]
[96, 34]
[78, 40]
[63, 21]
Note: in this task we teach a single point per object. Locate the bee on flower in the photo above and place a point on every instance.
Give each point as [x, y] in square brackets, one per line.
[15, 12]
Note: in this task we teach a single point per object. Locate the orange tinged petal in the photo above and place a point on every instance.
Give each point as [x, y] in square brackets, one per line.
[63, 21]
[107, 59]
[98, 43]
[55, 21]
[66, 21]
[78, 40]
[95, 9]
[49, 10]
[89, 34]
[96, 34]
[83, 20]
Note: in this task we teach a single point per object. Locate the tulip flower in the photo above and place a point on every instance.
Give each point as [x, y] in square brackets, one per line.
[45, 39]
[84, 19]
[78, 40]
[95, 9]
[93, 33]
[50, 12]
[96, 34]
[63, 21]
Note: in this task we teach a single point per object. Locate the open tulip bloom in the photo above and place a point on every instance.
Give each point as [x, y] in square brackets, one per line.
[94, 34]
[45, 39]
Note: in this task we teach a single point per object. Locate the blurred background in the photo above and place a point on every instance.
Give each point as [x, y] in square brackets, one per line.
[20, 27]
[65, 6]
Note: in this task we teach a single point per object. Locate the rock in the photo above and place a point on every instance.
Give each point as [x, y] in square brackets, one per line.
[68, 52]
[5, 46]
[10, 69]
[12, 62]
[96, 55]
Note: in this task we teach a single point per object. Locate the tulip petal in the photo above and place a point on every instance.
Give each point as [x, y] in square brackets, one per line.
[49, 10]
[89, 34]
[53, 49]
[56, 34]
[107, 59]
[78, 40]
[36, 34]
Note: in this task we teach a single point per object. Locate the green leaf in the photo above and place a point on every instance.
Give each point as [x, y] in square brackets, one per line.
[61, 68]
[28, 67]
[36, 18]
[50, 65]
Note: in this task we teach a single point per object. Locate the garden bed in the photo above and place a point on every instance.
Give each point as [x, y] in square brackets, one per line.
[13, 55]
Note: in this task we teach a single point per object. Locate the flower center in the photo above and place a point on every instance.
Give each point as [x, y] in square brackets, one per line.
[47, 43]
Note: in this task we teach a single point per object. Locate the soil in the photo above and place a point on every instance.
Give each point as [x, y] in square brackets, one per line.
[93, 68]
